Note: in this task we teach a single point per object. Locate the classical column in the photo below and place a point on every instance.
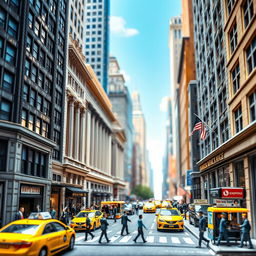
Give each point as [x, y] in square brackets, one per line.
[95, 159]
[104, 150]
[92, 138]
[88, 137]
[70, 127]
[100, 145]
[109, 153]
[77, 134]
[82, 141]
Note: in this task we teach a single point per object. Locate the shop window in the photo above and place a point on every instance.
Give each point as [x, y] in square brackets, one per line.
[5, 110]
[3, 155]
[252, 103]
[239, 174]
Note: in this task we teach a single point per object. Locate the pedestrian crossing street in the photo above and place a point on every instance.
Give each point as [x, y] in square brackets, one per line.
[160, 239]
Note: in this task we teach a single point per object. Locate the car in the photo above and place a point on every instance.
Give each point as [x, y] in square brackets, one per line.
[169, 219]
[141, 204]
[39, 235]
[78, 222]
[165, 204]
[158, 204]
[129, 209]
[149, 207]
[193, 215]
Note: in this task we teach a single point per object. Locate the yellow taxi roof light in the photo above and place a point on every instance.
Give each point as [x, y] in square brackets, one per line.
[40, 216]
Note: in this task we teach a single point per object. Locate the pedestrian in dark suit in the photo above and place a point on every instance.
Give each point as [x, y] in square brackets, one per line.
[137, 207]
[114, 213]
[202, 229]
[223, 232]
[140, 229]
[245, 232]
[20, 214]
[104, 227]
[124, 222]
[88, 227]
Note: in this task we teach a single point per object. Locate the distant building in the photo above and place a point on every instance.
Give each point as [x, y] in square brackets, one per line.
[96, 25]
[122, 106]
[140, 137]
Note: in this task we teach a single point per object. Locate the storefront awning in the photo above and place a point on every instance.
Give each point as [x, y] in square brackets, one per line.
[76, 191]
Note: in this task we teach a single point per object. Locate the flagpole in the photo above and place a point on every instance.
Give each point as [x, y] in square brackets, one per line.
[203, 122]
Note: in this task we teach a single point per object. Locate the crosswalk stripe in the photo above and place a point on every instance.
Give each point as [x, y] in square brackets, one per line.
[188, 240]
[125, 239]
[150, 239]
[135, 232]
[93, 240]
[80, 238]
[114, 238]
[162, 239]
[175, 240]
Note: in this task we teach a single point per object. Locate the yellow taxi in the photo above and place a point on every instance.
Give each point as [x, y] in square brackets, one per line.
[166, 204]
[169, 218]
[158, 204]
[149, 207]
[78, 222]
[39, 235]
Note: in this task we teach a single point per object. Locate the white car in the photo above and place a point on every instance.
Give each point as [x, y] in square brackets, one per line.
[129, 209]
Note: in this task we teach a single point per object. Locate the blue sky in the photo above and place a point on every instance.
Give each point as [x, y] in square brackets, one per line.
[139, 40]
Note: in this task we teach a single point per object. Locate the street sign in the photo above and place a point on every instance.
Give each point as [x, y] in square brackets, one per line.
[226, 203]
[189, 178]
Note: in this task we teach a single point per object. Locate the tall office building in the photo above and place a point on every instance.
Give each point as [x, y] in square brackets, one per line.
[33, 42]
[97, 38]
[140, 137]
[122, 106]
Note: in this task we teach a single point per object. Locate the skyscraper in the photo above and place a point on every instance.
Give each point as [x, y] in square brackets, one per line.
[97, 38]
[140, 137]
[122, 106]
[32, 71]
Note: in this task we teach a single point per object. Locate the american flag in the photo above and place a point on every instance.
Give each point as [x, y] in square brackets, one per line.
[200, 127]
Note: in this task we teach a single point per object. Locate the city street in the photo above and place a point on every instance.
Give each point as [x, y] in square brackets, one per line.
[158, 243]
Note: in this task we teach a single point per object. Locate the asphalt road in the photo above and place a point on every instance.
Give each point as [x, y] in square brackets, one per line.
[159, 243]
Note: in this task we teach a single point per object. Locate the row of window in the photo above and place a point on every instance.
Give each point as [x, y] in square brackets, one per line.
[8, 24]
[238, 114]
[93, 26]
[248, 15]
[8, 52]
[251, 65]
[94, 19]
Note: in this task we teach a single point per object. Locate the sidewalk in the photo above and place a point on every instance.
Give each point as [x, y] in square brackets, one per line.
[222, 249]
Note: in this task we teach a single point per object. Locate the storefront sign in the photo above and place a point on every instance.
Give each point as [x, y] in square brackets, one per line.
[32, 190]
[226, 203]
[215, 192]
[212, 161]
[235, 193]
[200, 201]
[188, 178]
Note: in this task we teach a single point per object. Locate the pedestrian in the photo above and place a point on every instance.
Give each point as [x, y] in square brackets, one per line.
[202, 229]
[114, 213]
[124, 222]
[53, 213]
[137, 207]
[88, 227]
[140, 229]
[20, 214]
[223, 232]
[245, 232]
[64, 216]
[104, 227]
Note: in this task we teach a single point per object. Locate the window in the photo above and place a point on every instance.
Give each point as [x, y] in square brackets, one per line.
[57, 117]
[25, 93]
[56, 136]
[2, 18]
[38, 125]
[233, 38]
[222, 101]
[50, 45]
[58, 98]
[248, 12]
[10, 54]
[251, 56]
[47, 86]
[42, 57]
[60, 60]
[27, 68]
[238, 119]
[44, 15]
[71, 13]
[31, 122]
[24, 117]
[62, 24]
[39, 105]
[12, 28]
[37, 28]
[59, 80]
[28, 43]
[30, 20]
[236, 78]
[239, 174]
[45, 129]
[58, 226]
[34, 74]
[61, 41]
[8, 81]
[43, 36]
[51, 25]
[252, 103]
[1, 47]
[224, 130]
[40, 79]
[32, 98]
[14, 4]
[38, 6]
[48, 65]
[46, 109]
[5, 110]
[35, 51]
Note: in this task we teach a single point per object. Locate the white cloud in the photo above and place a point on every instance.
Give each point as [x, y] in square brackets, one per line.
[118, 27]
[164, 104]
